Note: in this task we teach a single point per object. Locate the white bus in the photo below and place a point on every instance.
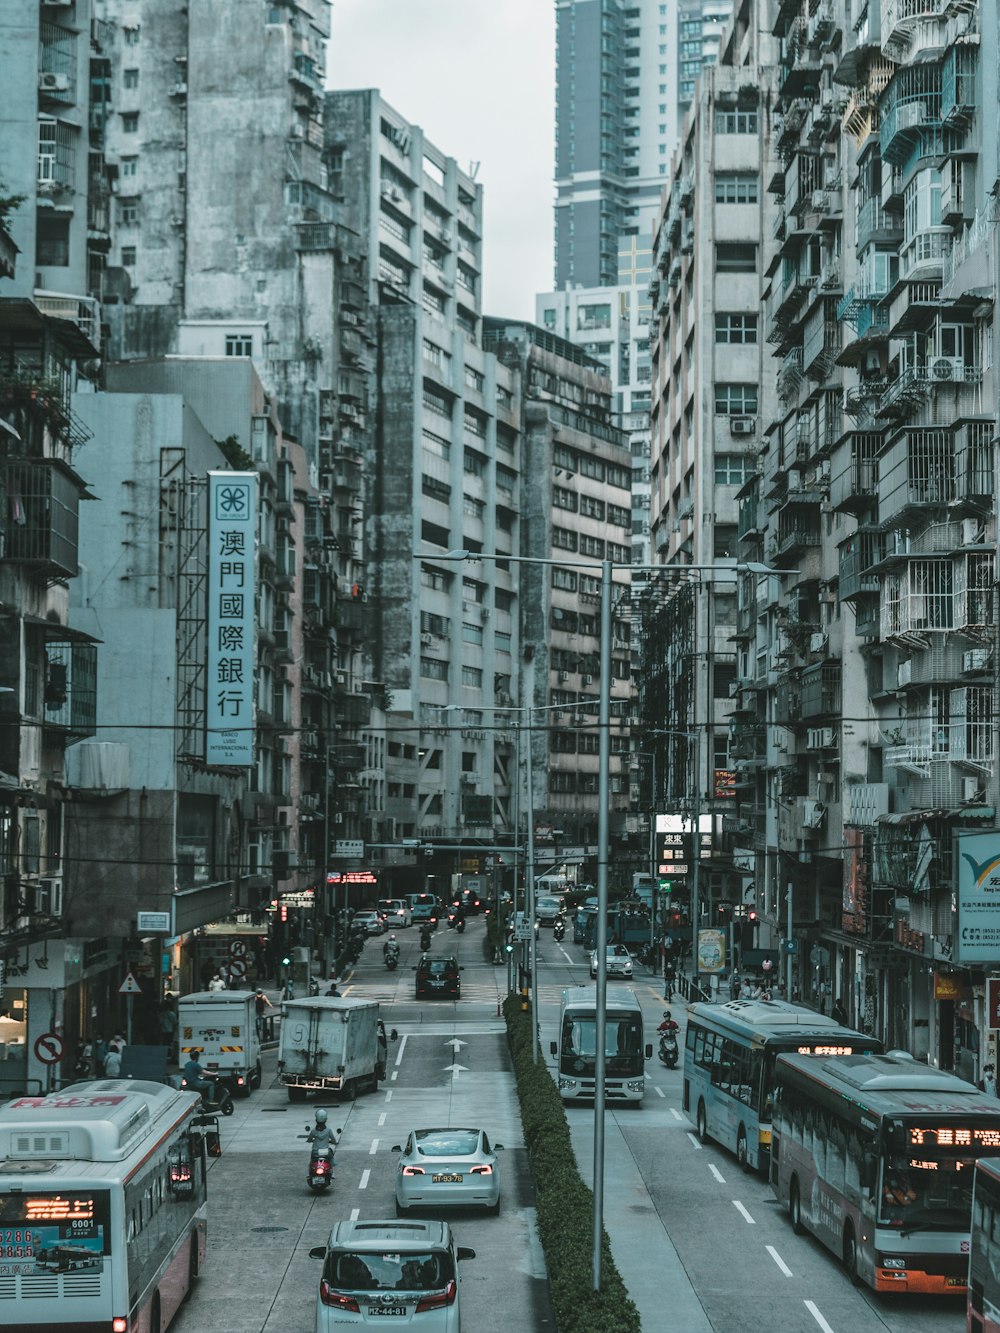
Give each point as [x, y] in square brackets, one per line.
[729, 1055]
[576, 1049]
[102, 1207]
[875, 1156]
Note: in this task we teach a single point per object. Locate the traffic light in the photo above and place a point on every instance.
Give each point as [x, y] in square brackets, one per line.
[509, 944]
[752, 916]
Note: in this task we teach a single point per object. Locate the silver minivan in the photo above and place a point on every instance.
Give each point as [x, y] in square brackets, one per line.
[384, 1269]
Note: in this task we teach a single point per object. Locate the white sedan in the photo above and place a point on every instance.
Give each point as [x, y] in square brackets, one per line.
[617, 964]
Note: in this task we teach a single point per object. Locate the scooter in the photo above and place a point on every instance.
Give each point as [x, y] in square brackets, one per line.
[319, 1177]
[219, 1102]
[425, 940]
[392, 960]
[559, 930]
[460, 925]
[668, 1049]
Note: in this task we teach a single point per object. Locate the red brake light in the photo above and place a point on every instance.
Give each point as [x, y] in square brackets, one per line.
[485, 1170]
[438, 1298]
[337, 1298]
[119, 1325]
[414, 1171]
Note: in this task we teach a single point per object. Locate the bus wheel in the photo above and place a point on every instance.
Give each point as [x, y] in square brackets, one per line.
[742, 1152]
[795, 1207]
[702, 1123]
[851, 1255]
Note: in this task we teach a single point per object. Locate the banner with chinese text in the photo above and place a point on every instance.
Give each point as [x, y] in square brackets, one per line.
[232, 526]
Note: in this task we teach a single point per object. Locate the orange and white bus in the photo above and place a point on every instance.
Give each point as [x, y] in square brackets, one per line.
[983, 1310]
[874, 1155]
[102, 1207]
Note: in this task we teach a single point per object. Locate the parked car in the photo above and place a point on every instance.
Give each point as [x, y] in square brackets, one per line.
[617, 964]
[372, 923]
[447, 1168]
[438, 977]
[374, 1270]
[397, 912]
[548, 910]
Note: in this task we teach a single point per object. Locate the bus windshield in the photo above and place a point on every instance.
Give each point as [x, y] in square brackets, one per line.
[622, 1047]
[925, 1194]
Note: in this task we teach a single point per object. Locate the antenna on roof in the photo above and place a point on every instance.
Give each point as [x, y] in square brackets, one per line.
[474, 170]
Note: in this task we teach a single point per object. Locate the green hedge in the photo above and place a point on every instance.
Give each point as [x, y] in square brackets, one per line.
[565, 1202]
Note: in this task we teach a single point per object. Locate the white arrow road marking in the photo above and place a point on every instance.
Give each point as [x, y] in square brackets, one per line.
[694, 1141]
[717, 1174]
[456, 1045]
[811, 1307]
[778, 1260]
[740, 1209]
[456, 1070]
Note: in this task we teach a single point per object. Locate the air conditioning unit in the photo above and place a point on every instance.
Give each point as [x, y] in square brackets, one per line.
[563, 676]
[427, 638]
[817, 642]
[341, 678]
[485, 613]
[48, 896]
[971, 789]
[947, 368]
[588, 680]
[53, 83]
[813, 814]
[820, 201]
[179, 89]
[794, 481]
[975, 659]
[741, 425]
[338, 817]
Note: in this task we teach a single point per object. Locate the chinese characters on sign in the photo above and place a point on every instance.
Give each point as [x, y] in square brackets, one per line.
[977, 863]
[232, 523]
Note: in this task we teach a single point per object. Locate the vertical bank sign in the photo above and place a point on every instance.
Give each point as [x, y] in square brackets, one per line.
[978, 876]
[232, 526]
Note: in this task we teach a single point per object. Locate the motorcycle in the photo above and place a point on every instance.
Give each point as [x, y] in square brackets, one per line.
[460, 925]
[668, 1049]
[559, 930]
[218, 1102]
[392, 959]
[319, 1177]
[425, 940]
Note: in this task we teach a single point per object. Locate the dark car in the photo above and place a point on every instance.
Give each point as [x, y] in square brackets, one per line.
[438, 977]
[471, 901]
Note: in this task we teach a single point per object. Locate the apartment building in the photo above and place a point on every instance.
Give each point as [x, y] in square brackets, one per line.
[574, 506]
[710, 383]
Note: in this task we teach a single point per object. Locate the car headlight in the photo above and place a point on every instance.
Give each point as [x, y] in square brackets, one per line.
[567, 1082]
[891, 1261]
[634, 1085]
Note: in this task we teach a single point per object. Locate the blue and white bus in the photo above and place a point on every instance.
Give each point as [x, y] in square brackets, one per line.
[729, 1055]
[625, 1051]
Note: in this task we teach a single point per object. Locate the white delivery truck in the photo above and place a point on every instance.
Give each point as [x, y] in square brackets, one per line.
[331, 1044]
[224, 1024]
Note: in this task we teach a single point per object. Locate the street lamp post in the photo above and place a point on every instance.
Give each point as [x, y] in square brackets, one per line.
[605, 567]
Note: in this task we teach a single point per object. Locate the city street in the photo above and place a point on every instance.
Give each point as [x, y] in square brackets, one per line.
[701, 1245]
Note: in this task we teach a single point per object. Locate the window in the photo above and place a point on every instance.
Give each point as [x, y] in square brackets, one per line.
[592, 546]
[239, 344]
[437, 490]
[131, 32]
[563, 499]
[128, 256]
[736, 329]
[621, 555]
[501, 642]
[472, 677]
[130, 78]
[736, 122]
[472, 634]
[564, 578]
[436, 444]
[129, 166]
[619, 517]
[736, 188]
[433, 668]
[473, 463]
[130, 122]
[591, 507]
[732, 469]
[472, 507]
[128, 212]
[735, 257]
[564, 539]
[736, 400]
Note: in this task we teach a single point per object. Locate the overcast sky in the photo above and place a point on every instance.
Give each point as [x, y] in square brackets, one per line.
[478, 77]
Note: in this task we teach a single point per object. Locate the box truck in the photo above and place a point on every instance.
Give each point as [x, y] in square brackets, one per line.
[331, 1044]
[224, 1024]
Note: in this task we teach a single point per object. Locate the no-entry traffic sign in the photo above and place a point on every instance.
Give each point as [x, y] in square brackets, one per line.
[49, 1048]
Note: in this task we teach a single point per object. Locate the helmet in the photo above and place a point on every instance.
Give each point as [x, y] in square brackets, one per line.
[321, 1116]
[666, 1013]
[392, 937]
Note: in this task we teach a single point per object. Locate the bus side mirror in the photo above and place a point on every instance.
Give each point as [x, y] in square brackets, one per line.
[649, 1050]
[554, 1048]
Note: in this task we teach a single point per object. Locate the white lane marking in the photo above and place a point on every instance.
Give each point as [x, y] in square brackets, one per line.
[694, 1141]
[675, 1113]
[778, 1260]
[717, 1173]
[355, 1214]
[811, 1307]
[659, 1091]
[365, 1176]
[374, 1148]
[394, 1075]
[566, 955]
[381, 1119]
[740, 1209]
[402, 1048]
[388, 1094]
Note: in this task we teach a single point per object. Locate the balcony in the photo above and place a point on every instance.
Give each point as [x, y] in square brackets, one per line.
[854, 483]
[40, 527]
[910, 112]
[922, 259]
[820, 690]
[857, 556]
[876, 226]
[71, 687]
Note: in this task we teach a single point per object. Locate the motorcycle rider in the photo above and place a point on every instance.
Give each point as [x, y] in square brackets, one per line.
[668, 1027]
[391, 946]
[322, 1136]
[197, 1077]
[425, 939]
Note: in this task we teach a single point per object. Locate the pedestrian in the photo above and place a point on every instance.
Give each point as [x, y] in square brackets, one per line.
[746, 990]
[113, 1061]
[81, 1065]
[168, 1025]
[734, 986]
[217, 984]
[839, 1014]
[261, 1006]
[333, 992]
[100, 1053]
[988, 1082]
